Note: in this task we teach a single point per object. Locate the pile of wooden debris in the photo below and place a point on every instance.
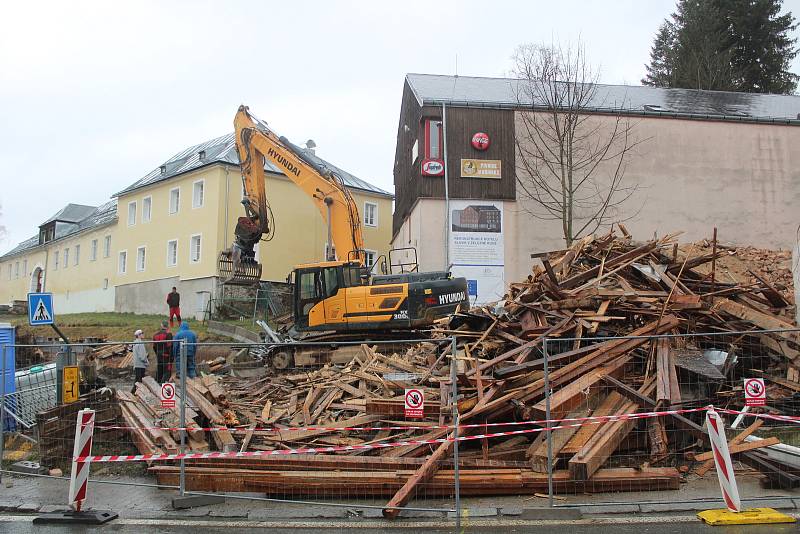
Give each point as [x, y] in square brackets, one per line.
[581, 300]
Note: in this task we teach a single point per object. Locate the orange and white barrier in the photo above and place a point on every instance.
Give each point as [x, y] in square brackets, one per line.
[722, 459]
[79, 479]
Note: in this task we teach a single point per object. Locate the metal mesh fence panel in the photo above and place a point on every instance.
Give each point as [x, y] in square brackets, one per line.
[323, 423]
[629, 426]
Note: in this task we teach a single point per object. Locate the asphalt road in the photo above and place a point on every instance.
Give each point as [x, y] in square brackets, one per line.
[664, 525]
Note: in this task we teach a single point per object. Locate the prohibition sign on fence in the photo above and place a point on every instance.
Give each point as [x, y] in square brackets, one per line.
[414, 403]
[167, 395]
[755, 393]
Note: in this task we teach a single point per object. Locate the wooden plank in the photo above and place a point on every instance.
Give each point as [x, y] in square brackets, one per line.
[742, 447]
[709, 464]
[294, 435]
[760, 319]
[422, 475]
[537, 453]
[598, 449]
[663, 383]
[474, 482]
[610, 405]
[572, 394]
[247, 437]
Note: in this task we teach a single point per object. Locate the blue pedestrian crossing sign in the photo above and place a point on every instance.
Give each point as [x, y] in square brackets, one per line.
[40, 309]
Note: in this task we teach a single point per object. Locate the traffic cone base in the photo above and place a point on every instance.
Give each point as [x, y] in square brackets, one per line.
[753, 516]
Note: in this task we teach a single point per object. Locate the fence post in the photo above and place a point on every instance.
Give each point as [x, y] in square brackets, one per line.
[549, 432]
[454, 405]
[2, 409]
[184, 400]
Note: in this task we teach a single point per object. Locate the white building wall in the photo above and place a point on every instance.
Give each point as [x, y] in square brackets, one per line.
[88, 300]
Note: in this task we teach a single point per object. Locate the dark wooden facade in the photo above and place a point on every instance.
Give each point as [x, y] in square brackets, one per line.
[462, 124]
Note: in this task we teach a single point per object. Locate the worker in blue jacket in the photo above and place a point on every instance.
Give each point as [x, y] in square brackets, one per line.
[191, 348]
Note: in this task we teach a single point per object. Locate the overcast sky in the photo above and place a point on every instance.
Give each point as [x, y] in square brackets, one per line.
[94, 95]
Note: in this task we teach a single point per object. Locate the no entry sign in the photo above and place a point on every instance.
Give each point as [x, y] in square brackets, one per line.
[755, 394]
[167, 395]
[414, 403]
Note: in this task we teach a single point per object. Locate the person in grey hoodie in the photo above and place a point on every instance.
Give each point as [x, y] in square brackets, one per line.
[140, 361]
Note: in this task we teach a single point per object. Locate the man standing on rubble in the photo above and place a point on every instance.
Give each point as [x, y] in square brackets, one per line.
[140, 361]
[184, 333]
[162, 346]
[174, 303]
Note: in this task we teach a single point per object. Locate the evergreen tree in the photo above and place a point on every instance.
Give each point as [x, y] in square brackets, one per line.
[733, 45]
[762, 50]
[702, 55]
[659, 71]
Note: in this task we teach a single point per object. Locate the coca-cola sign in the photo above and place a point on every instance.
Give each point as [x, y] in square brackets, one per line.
[480, 141]
[432, 167]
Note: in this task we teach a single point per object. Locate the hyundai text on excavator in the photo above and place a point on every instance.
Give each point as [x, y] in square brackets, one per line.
[341, 294]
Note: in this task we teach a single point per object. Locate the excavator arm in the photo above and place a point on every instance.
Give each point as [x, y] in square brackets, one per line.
[255, 142]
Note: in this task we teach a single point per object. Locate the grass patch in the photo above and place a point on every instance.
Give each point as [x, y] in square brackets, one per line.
[110, 325]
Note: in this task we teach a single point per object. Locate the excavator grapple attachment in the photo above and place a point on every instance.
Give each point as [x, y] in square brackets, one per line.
[245, 273]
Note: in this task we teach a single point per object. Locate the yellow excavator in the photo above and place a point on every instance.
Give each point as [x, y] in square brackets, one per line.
[340, 294]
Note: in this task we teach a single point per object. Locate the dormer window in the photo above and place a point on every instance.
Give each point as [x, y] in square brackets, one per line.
[163, 169]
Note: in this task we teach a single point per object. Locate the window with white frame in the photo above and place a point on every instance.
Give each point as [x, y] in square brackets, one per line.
[197, 193]
[370, 214]
[107, 246]
[123, 261]
[66, 258]
[172, 253]
[93, 250]
[131, 213]
[77, 254]
[369, 258]
[55, 260]
[9, 271]
[24, 267]
[140, 258]
[195, 244]
[16, 270]
[147, 209]
[174, 200]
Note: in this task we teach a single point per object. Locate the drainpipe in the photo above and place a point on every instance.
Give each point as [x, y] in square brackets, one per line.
[225, 224]
[44, 273]
[446, 191]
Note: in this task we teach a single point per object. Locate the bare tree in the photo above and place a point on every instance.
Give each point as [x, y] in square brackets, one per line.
[571, 144]
[2, 226]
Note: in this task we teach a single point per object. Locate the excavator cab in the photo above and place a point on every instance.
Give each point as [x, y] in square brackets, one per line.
[317, 296]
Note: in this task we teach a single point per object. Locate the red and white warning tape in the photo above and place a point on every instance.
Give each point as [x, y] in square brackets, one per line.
[774, 417]
[573, 422]
[278, 430]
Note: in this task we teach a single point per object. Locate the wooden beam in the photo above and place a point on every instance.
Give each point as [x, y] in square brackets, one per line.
[743, 447]
[537, 452]
[422, 475]
[603, 444]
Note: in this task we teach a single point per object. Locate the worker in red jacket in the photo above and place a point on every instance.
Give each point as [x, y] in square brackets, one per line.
[174, 303]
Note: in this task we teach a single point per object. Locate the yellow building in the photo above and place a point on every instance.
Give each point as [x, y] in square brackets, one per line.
[167, 229]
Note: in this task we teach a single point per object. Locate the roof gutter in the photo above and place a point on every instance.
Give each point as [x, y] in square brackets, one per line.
[628, 112]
